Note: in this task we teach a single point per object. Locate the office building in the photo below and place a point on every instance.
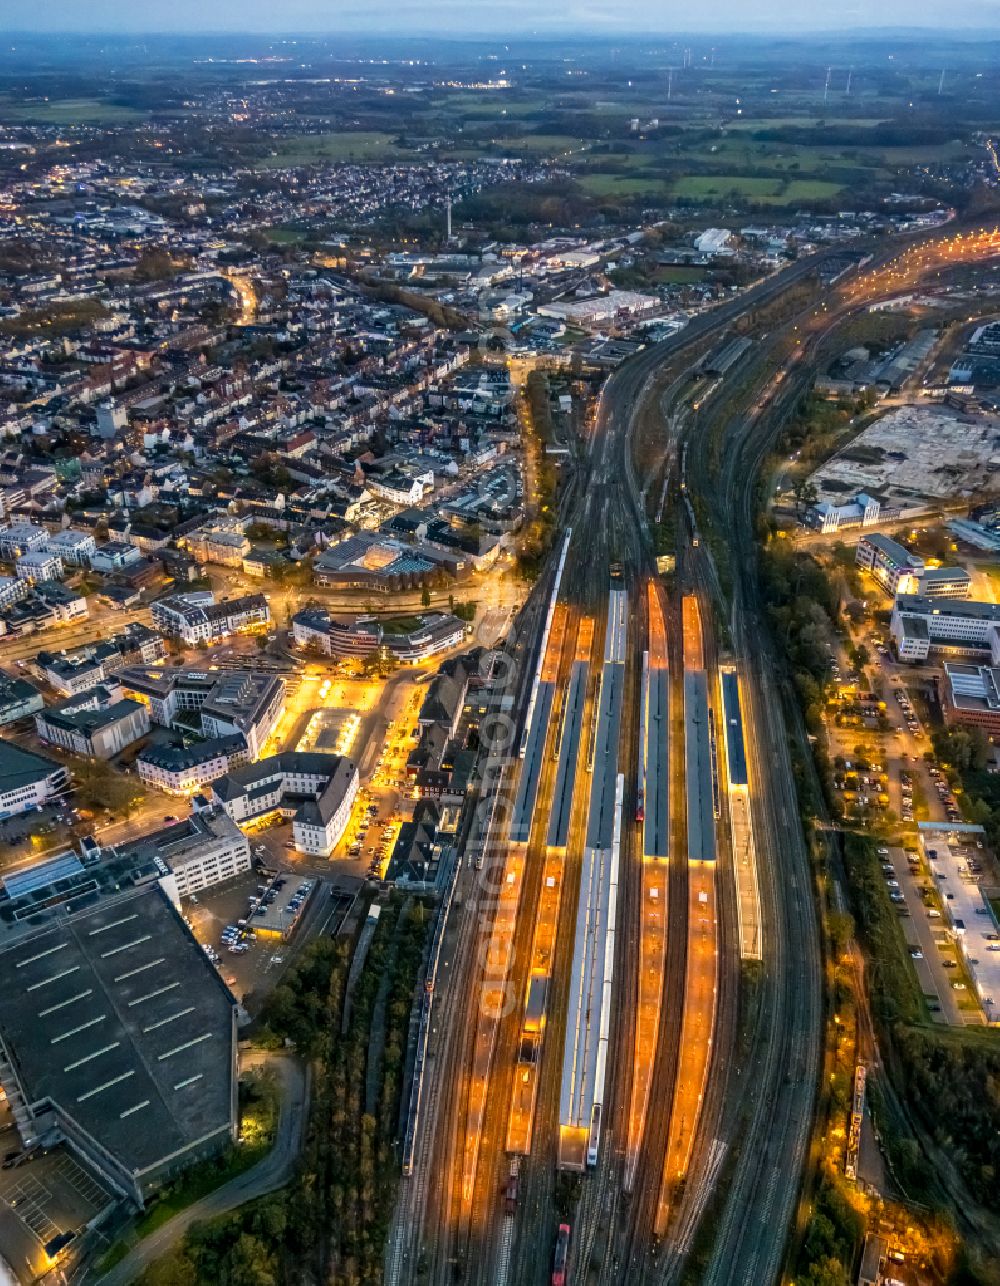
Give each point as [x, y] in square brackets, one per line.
[18, 698]
[28, 780]
[227, 702]
[184, 770]
[888, 562]
[203, 849]
[97, 724]
[920, 625]
[317, 791]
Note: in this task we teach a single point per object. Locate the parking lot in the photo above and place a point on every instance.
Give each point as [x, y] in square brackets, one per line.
[43, 1197]
[252, 972]
[926, 938]
[954, 858]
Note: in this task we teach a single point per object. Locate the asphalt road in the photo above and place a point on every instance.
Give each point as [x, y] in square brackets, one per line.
[268, 1175]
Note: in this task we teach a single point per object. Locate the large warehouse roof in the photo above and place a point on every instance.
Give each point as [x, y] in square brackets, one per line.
[115, 1014]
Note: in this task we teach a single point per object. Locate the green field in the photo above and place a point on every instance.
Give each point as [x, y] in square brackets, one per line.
[542, 144]
[803, 122]
[618, 185]
[702, 187]
[679, 275]
[70, 111]
[318, 149]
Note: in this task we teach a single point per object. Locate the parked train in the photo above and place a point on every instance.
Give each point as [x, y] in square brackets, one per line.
[561, 1255]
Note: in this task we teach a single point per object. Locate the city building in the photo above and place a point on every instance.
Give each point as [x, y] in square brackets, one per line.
[368, 560]
[226, 703]
[317, 791]
[19, 538]
[97, 724]
[192, 619]
[920, 625]
[971, 697]
[899, 571]
[75, 548]
[220, 542]
[114, 556]
[119, 1037]
[38, 564]
[75, 672]
[410, 640]
[203, 849]
[18, 698]
[184, 770]
[889, 563]
[944, 582]
[28, 780]
[12, 591]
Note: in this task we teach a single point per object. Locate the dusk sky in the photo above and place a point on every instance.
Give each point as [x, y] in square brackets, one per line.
[489, 17]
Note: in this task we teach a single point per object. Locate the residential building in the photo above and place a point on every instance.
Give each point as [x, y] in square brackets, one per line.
[38, 565]
[12, 591]
[114, 556]
[75, 548]
[19, 538]
[191, 619]
[75, 672]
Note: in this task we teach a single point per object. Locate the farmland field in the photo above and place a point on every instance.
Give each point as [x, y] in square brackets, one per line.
[702, 187]
[317, 149]
[70, 111]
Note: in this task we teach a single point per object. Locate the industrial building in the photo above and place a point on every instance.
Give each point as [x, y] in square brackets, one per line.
[117, 1036]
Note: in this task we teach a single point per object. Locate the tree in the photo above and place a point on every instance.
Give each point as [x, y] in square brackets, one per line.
[425, 597]
[805, 494]
[155, 265]
[99, 786]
